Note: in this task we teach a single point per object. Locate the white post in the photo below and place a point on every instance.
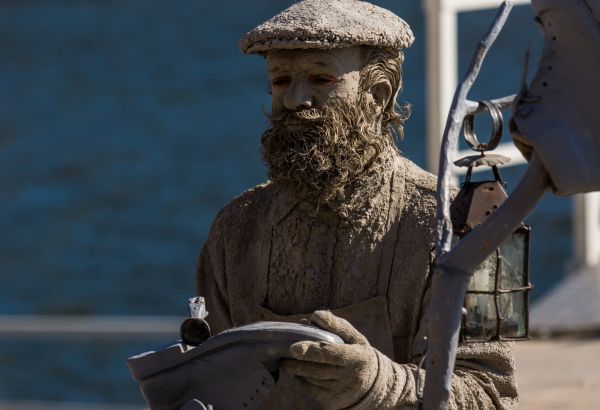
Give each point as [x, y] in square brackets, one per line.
[441, 73]
[586, 230]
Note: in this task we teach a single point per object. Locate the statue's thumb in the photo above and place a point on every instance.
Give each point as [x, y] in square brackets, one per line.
[341, 327]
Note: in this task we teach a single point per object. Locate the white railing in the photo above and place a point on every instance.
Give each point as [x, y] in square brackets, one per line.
[41, 326]
[441, 53]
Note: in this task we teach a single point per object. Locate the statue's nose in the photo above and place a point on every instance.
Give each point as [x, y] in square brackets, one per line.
[297, 96]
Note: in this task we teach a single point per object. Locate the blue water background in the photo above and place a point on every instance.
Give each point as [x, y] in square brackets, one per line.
[125, 125]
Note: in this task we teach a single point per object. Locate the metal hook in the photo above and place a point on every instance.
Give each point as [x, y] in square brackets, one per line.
[497, 126]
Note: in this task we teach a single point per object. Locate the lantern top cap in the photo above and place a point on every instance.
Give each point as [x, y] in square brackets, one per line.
[490, 160]
[327, 24]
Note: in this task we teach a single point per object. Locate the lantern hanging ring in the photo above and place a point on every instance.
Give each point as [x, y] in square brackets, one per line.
[497, 127]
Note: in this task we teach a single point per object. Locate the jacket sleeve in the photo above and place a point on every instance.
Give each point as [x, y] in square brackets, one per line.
[211, 278]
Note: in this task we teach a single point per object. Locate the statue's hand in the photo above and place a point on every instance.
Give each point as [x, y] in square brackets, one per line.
[336, 375]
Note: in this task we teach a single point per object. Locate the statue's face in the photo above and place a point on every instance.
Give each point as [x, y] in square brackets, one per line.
[302, 79]
[324, 128]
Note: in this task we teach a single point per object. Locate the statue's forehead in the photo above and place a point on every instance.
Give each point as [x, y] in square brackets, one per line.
[340, 60]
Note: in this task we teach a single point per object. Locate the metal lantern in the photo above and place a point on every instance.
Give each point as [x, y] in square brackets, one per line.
[496, 301]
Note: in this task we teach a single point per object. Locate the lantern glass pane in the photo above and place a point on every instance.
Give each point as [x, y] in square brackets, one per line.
[513, 314]
[484, 277]
[513, 263]
[502, 278]
[480, 320]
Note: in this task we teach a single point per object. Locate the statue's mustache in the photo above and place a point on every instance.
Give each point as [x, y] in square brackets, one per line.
[284, 117]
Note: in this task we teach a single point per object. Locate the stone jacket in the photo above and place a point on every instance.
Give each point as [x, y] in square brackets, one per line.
[270, 256]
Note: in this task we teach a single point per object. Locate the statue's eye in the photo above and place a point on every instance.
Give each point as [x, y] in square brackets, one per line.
[322, 79]
[281, 82]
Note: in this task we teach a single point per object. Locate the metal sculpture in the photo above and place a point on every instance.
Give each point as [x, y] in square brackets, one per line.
[555, 115]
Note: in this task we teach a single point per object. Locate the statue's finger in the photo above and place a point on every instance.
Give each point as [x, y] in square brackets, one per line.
[313, 370]
[321, 352]
[341, 327]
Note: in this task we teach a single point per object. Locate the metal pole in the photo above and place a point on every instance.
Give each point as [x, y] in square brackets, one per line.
[443, 335]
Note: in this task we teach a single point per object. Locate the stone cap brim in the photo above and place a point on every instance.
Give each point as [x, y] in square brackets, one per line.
[299, 44]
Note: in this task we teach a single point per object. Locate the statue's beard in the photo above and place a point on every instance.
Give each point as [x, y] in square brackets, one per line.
[319, 152]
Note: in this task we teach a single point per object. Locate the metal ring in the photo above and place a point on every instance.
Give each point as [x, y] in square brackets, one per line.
[497, 126]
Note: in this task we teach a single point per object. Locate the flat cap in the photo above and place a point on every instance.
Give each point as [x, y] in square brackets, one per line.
[329, 24]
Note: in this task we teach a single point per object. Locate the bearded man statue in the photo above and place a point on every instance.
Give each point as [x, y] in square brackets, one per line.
[342, 233]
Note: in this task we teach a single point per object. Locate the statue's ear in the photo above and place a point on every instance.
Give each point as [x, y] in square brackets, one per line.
[381, 93]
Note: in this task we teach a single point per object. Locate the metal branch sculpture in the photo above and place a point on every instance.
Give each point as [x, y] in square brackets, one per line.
[454, 268]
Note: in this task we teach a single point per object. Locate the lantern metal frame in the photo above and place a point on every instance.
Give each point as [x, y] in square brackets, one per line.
[498, 291]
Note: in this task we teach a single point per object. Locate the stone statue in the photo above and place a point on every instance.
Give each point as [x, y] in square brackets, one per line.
[342, 232]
